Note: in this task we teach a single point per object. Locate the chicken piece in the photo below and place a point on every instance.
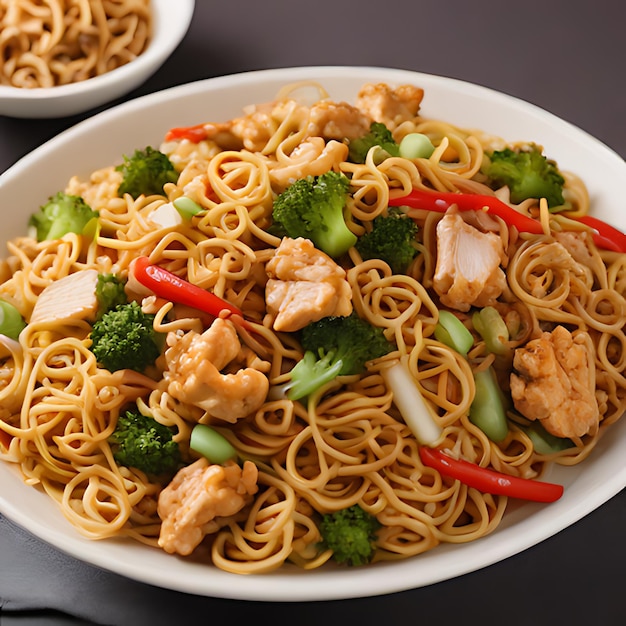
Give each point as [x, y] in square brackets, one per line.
[72, 297]
[312, 157]
[554, 383]
[250, 131]
[199, 501]
[389, 106]
[468, 271]
[330, 120]
[194, 362]
[305, 285]
[337, 120]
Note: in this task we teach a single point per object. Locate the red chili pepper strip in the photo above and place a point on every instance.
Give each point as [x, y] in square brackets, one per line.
[195, 134]
[175, 289]
[605, 235]
[442, 201]
[490, 481]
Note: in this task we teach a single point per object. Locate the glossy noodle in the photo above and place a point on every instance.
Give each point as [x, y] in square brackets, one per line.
[348, 444]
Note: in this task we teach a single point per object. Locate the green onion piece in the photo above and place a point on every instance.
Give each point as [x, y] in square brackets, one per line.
[211, 444]
[92, 228]
[11, 321]
[416, 146]
[413, 407]
[187, 207]
[451, 331]
[492, 328]
[545, 442]
[487, 409]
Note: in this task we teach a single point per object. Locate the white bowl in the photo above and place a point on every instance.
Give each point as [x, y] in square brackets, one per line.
[171, 22]
[144, 121]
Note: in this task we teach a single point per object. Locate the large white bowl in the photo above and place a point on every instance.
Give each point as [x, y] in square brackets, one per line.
[171, 22]
[143, 122]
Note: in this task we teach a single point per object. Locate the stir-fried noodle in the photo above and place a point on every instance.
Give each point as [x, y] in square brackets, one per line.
[348, 444]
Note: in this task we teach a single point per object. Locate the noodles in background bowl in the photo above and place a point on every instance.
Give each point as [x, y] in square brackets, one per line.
[62, 42]
[350, 444]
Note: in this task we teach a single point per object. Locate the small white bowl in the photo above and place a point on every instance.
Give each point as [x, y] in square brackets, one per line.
[170, 24]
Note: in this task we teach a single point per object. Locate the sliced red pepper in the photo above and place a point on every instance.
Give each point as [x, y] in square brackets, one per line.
[165, 284]
[442, 201]
[488, 480]
[195, 134]
[604, 235]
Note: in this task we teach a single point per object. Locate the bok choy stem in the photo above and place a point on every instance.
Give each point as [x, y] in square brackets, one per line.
[412, 405]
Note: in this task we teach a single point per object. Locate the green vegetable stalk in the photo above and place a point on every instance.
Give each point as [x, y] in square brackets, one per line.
[489, 324]
[451, 331]
[545, 442]
[487, 409]
[211, 444]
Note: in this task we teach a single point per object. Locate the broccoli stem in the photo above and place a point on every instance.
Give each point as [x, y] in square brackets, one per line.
[336, 239]
[211, 444]
[311, 373]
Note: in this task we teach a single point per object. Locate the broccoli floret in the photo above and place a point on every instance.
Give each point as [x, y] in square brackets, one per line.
[140, 441]
[145, 173]
[378, 135]
[391, 239]
[124, 338]
[62, 214]
[312, 208]
[334, 346]
[109, 292]
[350, 534]
[527, 173]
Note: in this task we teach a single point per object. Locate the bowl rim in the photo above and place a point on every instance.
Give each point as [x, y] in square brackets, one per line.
[294, 585]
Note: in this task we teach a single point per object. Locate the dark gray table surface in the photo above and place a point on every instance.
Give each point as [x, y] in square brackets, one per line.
[567, 57]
